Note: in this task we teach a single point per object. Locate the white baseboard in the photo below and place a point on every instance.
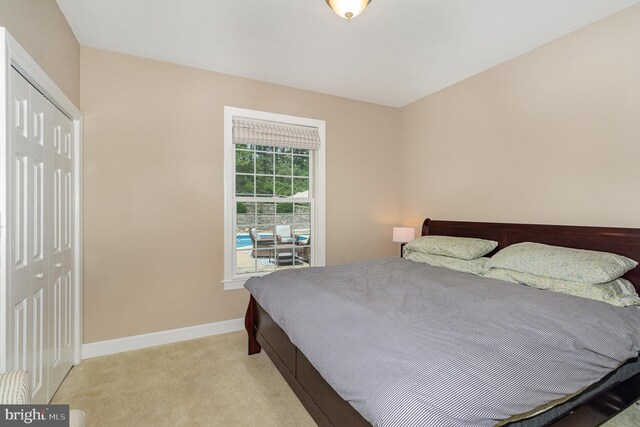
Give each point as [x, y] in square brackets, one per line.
[136, 342]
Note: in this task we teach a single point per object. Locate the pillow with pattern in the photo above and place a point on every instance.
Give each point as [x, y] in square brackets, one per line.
[558, 262]
[455, 247]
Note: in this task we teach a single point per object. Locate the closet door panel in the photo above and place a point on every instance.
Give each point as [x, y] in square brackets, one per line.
[40, 137]
[21, 339]
[61, 266]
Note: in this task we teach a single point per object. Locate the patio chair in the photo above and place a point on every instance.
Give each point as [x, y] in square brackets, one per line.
[261, 243]
[283, 234]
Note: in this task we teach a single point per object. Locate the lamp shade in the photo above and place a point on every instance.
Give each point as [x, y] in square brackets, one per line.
[403, 234]
[348, 9]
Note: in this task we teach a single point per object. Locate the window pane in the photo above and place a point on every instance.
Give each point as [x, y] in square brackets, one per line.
[299, 151]
[266, 213]
[284, 208]
[262, 239]
[303, 244]
[243, 238]
[302, 233]
[244, 185]
[302, 213]
[245, 262]
[264, 163]
[244, 147]
[264, 186]
[243, 207]
[300, 187]
[283, 164]
[266, 208]
[266, 261]
[283, 150]
[300, 166]
[283, 187]
[245, 213]
[303, 256]
[244, 161]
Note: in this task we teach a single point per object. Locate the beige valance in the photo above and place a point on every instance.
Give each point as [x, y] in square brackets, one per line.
[261, 132]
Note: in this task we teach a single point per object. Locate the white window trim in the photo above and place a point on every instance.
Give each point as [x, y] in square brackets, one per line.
[231, 279]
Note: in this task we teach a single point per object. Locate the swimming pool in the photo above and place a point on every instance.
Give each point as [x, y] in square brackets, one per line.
[244, 240]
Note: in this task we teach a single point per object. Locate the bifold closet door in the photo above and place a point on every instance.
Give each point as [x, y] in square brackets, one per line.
[41, 224]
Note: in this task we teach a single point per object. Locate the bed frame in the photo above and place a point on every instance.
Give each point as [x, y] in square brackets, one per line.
[327, 408]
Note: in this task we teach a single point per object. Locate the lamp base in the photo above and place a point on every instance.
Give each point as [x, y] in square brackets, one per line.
[402, 250]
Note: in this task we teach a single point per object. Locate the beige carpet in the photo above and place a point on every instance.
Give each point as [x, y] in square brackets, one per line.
[205, 382]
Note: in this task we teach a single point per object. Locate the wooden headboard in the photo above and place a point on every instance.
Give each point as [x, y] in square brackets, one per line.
[623, 241]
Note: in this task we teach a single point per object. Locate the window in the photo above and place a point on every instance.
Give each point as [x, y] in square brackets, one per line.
[274, 194]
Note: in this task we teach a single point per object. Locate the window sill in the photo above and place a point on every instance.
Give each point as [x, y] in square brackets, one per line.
[238, 282]
[230, 285]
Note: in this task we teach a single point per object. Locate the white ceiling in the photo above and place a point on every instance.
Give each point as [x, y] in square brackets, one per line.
[396, 52]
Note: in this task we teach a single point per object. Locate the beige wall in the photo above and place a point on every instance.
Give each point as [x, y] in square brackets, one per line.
[153, 190]
[552, 136]
[41, 28]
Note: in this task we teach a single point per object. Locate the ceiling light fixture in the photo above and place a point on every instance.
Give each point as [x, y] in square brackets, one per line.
[348, 9]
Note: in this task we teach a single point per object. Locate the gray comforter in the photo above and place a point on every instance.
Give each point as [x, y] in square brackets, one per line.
[408, 344]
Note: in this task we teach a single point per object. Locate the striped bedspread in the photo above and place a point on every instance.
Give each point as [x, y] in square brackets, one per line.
[408, 344]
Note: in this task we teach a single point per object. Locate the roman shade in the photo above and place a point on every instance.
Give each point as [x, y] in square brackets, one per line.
[261, 132]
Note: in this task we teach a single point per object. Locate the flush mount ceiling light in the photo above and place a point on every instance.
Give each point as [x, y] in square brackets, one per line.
[348, 9]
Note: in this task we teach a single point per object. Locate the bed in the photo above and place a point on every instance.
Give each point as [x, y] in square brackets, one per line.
[590, 406]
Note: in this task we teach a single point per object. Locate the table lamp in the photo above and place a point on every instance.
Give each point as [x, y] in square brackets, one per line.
[403, 235]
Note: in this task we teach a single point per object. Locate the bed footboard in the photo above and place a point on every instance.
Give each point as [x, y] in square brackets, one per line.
[249, 322]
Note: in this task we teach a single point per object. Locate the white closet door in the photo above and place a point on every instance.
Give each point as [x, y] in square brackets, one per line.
[41, 233]
[61, 265]
[32, 113]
